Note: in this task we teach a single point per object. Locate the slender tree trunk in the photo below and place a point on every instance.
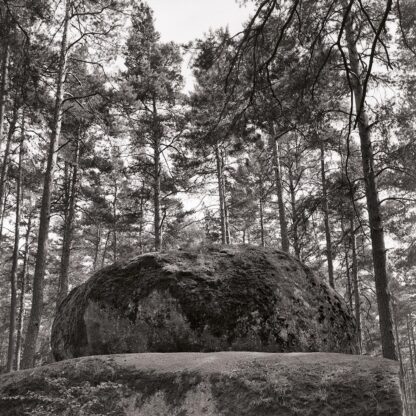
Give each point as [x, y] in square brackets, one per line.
[354, 272]
[23, 283]
[413, 341]
[221, 193]
[226, 211]
[325, 209]
[5, 162]
[3, 213]
[284, 234]
[411, 352]
[349, 285]
[97, 247]
[402, 372]
[296, 245]
[141, 223]
[68, 230]
[15, 259]
[115, 203]
[105, 249]
[261, 223]
[382, 280]
[4, 76]
[156, 179]
[261, 209]
[36, 311]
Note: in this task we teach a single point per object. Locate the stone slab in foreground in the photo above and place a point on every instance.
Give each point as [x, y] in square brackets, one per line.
[206, 384]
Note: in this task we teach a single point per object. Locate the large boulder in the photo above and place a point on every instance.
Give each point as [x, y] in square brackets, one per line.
[213, 384]
[213, 299]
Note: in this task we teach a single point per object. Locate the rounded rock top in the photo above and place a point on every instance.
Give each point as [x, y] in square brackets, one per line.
[233, 298]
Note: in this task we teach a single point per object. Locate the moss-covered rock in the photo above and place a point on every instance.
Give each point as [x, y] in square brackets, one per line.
[213, 384]
[215, 299]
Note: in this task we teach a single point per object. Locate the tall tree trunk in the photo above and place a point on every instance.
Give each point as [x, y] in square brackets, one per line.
[412, 331]
[105, 249]
[115, 203]
[261, 209]
[373, 204]
[4, 75]
[15, 258]
[348, 272]
[296, 245]
[221, 193]
[261, 223]
[23, 284]
[5, 162]
[354, 272]
[284, 234]
[156, 179]
[141, 223]
[402, 372]
[325, 209]
[97, 247]
[226, 210]
[411, 352]
[36, 311]
[68, 229]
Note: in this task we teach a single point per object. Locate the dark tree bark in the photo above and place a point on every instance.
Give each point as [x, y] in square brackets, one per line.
[97, 247]
[382, 280]
[402, 371]
[4, 74]
[221, 193]
[115, 204]
[263, 244]
[107, 239]
[43, 235]
[295, 234]
[15, 259]
[157, 223]
[354, 272]
[23, 284]
[284, 234]
[325, 209]
[68, 229]
[5, 162]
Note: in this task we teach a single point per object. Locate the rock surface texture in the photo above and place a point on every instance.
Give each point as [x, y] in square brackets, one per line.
[214, 299]
[206, 384]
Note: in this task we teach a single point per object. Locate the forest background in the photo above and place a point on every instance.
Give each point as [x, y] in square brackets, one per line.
[298, 133]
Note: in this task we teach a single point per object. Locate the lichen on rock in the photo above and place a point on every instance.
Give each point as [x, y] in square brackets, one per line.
[206, 384]
[213, 299]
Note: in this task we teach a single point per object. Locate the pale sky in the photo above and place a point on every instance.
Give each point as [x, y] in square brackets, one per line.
[185, 20]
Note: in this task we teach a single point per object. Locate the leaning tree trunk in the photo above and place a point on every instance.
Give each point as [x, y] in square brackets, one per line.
[221, 193]
[15, 258]
[45, 211]
[68, 230]
[382, 280]
[326, 219]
